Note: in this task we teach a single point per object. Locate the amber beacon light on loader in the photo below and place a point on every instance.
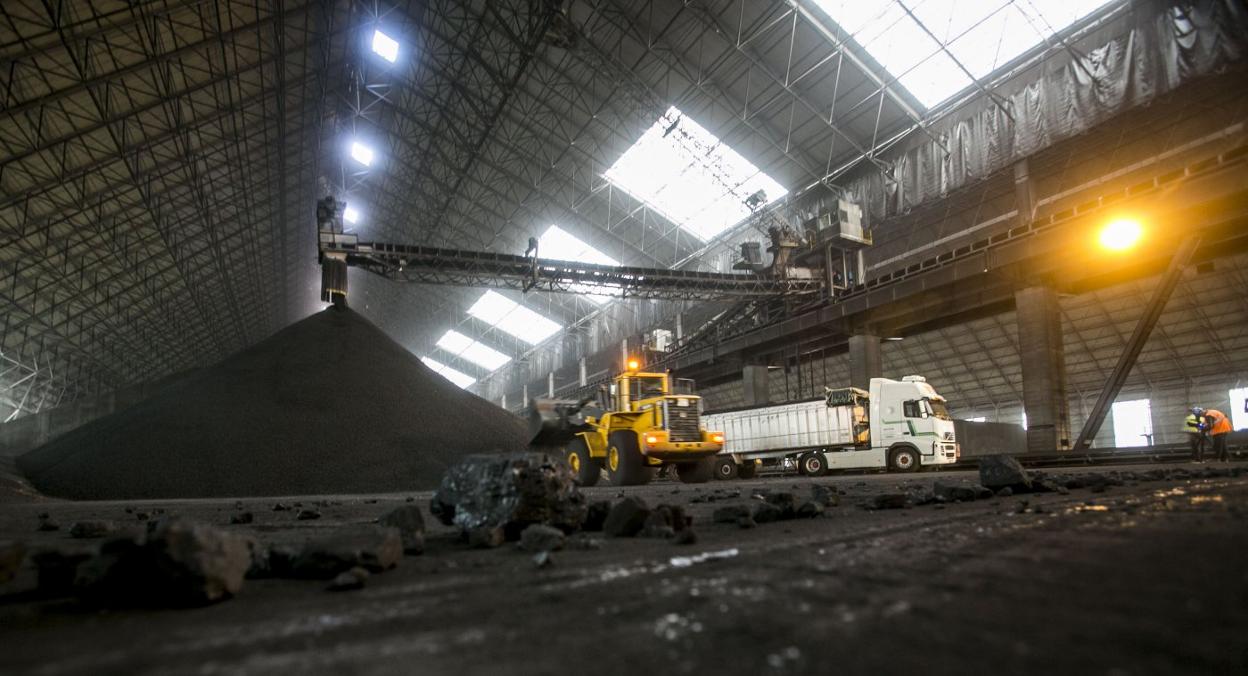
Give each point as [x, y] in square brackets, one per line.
[630, 429]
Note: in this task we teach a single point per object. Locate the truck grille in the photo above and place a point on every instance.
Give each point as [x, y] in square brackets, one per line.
[682, 423]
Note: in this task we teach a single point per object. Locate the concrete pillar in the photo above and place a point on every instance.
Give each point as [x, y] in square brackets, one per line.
[1024, 192]
[584, 380]
[550, 385]
[1044, 370]
[864, 360]
[757, 384]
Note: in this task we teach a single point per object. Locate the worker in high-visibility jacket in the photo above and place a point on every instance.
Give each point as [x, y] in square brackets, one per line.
[1219, 428]
[1194, 428]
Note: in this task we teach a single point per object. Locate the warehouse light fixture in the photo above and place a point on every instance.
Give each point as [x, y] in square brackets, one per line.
[462, 379]
[558, 244]
[693, 179]
[1121, 234]
[361, 153]
[982, 35]
[351, 214]
[514, 318]
[385, 46]
[464, 347]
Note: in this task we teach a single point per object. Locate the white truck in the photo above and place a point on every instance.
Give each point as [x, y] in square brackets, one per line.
[900, 425]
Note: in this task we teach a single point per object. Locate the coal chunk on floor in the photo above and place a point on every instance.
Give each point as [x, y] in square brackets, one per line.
[374, 548]
[509, 491]
[627, 517]
[999, 471]
[179, 564]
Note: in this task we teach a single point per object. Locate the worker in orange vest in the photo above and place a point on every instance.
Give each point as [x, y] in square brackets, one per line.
[1219, 428]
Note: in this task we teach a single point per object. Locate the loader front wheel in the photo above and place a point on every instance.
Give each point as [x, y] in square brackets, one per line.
[626, 466]
[585, 470]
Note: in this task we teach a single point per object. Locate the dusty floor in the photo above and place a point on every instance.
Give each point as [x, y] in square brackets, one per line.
[1143, 578]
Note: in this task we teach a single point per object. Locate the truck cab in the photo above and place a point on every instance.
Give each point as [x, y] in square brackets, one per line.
[909, 412]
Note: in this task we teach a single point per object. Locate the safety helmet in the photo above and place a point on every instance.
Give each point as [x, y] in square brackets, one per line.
[1198, 410]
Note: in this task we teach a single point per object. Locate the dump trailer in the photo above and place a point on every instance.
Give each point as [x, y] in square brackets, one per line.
[630, 429]
[899, 425]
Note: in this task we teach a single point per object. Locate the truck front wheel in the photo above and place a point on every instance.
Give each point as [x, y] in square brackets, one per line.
[585, 470]
[903, 459]
[626, 466]
[698, 472]
[725, 469]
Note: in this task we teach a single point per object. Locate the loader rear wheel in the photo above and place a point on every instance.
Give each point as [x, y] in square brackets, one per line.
[585, 470]
[698, 472]
[626, 466]
[747, 470]
[725, 469]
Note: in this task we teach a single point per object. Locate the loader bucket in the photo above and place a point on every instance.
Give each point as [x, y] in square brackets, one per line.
[554, 422]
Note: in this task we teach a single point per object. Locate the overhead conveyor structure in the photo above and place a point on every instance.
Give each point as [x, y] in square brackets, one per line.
[432, 265]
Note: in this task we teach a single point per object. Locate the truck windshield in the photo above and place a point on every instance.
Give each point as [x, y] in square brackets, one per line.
[938, 408]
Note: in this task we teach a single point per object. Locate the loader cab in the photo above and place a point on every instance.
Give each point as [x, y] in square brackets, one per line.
[629, 390]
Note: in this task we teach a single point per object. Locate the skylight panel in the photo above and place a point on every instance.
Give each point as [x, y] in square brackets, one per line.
[351, 215]
[982, 35]
[461, 379]
[464, 347]
[385, 46]
[514, 318]
[361, 153]
[687, 174]
[558, 244]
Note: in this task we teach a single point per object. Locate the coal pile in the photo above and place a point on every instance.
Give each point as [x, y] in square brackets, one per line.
[327, 405]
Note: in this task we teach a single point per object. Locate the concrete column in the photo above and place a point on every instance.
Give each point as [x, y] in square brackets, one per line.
[550, 385]
[1024, 191]
[1044, 370]
[757, 385]
[864, 360]
[583, 380]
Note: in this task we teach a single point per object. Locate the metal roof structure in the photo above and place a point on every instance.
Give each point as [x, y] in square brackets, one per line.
[160, 160]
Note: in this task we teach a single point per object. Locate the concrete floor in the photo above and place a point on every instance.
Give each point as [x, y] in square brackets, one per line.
[1149, 577]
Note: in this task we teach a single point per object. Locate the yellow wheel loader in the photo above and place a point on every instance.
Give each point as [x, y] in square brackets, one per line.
[639, 424]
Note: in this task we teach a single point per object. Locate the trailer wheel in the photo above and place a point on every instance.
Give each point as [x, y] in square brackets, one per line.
[698, 472]
[747, 470]
[725, 469]
[585, 469]
[626, 466]
[903, 459]
[813, 464]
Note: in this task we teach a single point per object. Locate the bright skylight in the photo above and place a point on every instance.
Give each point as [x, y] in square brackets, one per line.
[1133, 423]
[462, 379]
[558, 244]
[513, 318]
[981, 34]
[1239, 408]
[464, 347]
[685, 173]
[386, 46]
[350, 215]
[361, 153]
